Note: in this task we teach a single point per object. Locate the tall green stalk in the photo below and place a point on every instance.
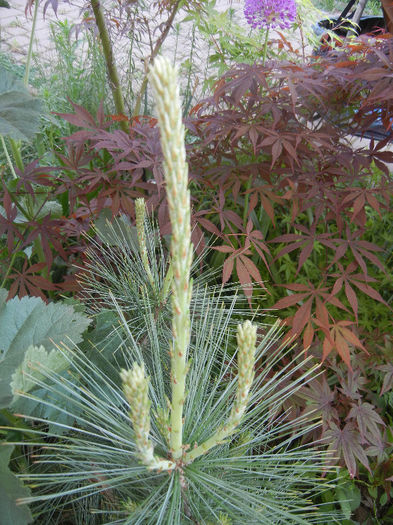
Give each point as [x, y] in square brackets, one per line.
[165, 85]
[113, 75]
[264, 53]
[31, 41]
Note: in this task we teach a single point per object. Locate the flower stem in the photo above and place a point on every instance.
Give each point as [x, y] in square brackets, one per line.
[264, 54]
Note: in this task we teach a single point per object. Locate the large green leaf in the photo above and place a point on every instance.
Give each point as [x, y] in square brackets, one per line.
[10, 490]
[29, 321]
[19, 111]
[27, 373]
[25, 380]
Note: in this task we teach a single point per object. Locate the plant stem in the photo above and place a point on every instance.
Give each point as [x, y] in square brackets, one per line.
[8, 157]
[264, 54]
[41, 256]
[14, 255]
[154, 53]
[30, 50]
[110, 62]
[246, 201]
[15, 146]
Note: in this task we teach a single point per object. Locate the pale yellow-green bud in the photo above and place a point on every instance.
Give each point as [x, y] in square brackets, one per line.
[136, 390]
[140, 212]
[246, 340]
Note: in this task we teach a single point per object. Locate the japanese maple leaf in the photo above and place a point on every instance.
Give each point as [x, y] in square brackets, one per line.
[92, 180]
[338, 336]
[7, 222]
[27, 282]
[320, 398]
[388, 378]
[255, 238]
[360, 250]
[267, 195]
[306, 295]
[121, 197]
[34, 174]
[346, 277]
[76, 157]
[83, 119]
[48, 231]
[351, 383]
[227, 217]
[367, 420]
[304, 240]
[358, 198]
[240, 261]
[199, 217]
[347, 443]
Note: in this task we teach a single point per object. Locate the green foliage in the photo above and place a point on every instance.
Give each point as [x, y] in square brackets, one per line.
[11, 489]
[30, 322]
[99, 456]
[19, 111]
[239, 460]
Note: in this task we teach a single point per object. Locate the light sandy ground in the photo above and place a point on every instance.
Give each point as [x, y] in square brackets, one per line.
[15, 29]
[15, 24]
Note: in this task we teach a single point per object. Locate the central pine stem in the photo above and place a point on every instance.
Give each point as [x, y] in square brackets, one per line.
[164, 81]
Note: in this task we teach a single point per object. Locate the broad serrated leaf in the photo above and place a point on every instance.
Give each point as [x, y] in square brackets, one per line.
[19, 112]
[25, 376]
[29, 321]
[10, 490]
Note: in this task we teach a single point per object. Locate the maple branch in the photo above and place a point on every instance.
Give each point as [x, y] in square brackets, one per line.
[154, 53]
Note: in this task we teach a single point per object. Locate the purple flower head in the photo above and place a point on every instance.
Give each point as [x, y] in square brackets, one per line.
[270, 13]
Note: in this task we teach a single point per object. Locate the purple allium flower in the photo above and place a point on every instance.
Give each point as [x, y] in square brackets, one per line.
[270, 13]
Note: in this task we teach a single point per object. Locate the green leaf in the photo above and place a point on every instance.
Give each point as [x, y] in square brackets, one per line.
[45, 404]
[29, 321]
[25, 376]
[383, 499]
[10, 490]
[19, 112]
[344, 503]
